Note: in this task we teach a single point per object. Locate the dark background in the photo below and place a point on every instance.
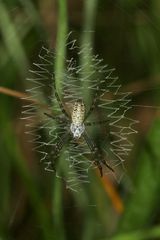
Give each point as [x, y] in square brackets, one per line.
[33, 204]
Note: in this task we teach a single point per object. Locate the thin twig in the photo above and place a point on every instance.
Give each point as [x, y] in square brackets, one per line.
[13, 93]
[21, 95]
[113, 194]
[135, 88]
[140, 86]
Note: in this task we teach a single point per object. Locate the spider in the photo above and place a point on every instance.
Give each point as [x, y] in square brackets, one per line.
[77, 120]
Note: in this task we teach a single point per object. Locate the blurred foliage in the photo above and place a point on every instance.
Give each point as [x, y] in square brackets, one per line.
[33, 203]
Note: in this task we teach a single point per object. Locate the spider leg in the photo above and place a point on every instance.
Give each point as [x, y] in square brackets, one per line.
[94, 150]
[93, 105]
[59, 145]
[96, 123]
[99, 167]
[60, 120]
[107, 165]
[60, 102]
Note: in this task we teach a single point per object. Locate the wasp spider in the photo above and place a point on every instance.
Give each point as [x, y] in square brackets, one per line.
[77, 120]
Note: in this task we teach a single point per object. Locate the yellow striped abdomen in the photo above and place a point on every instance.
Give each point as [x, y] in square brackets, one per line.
[78, 112]
[77, 126]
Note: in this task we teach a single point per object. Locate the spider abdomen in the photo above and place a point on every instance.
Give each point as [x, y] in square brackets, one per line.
[78, 112]
[77, 126]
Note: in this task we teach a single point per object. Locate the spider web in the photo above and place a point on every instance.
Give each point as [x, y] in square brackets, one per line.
[74, 162]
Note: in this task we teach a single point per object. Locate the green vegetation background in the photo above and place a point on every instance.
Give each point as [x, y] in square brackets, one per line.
[33, 204]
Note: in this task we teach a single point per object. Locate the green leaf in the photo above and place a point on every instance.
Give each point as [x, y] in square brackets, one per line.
[141, 206]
